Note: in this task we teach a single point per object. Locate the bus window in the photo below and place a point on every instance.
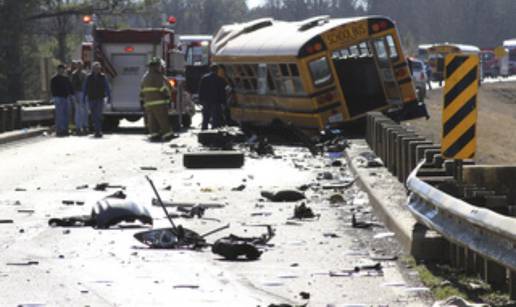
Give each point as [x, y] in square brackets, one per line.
[380, 49]
[321, 74]
[197, 56]
[294, 73]
[354, 50]
[364, 49]
[262, 79]
[276, 77]
[392, 48]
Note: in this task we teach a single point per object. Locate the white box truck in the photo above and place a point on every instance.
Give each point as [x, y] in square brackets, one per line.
[124, 55]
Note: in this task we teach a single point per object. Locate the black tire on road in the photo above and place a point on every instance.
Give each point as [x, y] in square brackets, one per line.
[213, 159]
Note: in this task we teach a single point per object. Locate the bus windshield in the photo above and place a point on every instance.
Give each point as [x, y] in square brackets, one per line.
[197, 56]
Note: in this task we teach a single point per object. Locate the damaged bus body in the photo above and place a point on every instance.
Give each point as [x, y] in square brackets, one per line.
[316, 73]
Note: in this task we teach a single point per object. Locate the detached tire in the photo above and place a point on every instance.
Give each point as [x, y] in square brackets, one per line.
[214, 159]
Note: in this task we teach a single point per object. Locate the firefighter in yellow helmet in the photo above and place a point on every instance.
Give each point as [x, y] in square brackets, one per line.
[155, 92]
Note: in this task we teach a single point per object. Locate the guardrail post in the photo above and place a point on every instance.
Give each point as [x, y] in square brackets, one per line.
[470, 261]
[512, 285]
[495, 274]
[17, 117]
[453, 255]
[461, 257]
[3, 119]
[10, 118]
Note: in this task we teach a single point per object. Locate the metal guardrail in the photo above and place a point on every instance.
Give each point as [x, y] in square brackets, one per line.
[27, 113]
[481, 241]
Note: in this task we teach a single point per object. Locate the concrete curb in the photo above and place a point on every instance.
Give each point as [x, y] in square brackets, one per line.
[12, 136]
[386, 194]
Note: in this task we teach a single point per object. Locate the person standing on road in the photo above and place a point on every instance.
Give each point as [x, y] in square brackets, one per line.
[96, 89]
[62, 90]
[428, 76]
[81, 107]
[212, 96]
[155, 92]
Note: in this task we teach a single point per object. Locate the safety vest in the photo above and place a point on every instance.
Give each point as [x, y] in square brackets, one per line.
[155, 89]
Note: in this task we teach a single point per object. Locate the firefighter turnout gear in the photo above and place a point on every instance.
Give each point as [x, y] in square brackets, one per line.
[155, 92]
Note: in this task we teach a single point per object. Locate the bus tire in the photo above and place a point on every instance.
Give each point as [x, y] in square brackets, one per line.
[186, 120]
[213, 159]
[133, 118]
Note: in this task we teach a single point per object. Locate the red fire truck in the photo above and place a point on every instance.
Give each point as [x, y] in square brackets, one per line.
[124, 55]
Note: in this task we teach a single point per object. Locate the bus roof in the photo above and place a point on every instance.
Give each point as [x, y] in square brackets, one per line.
[510, 42]
[195, 38]
[269, 37]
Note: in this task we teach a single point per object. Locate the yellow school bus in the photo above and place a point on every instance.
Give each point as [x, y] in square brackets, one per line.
[317, 72]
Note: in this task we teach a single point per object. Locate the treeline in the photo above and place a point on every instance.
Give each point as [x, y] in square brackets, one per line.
[31, 29]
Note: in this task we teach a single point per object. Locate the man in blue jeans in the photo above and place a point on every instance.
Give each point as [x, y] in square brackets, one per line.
[96, 89]
[62, 90]
[81, 107]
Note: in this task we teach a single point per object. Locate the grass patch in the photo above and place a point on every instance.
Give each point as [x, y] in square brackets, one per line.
[445, 281]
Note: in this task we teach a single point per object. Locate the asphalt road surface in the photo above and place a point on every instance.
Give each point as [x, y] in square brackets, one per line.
[82, 266]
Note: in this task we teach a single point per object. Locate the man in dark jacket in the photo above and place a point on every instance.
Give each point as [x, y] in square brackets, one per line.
[96, 89]
[212, 95]
[62, 90]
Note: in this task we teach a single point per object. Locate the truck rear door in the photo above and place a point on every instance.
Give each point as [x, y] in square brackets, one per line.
[126, 85]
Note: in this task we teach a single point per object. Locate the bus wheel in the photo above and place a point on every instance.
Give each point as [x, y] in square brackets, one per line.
[186, 121]
[133, 119]
[110, 124]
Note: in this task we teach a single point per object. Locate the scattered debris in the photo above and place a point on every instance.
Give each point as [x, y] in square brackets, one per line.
[68, 202]
[303, 212]
[331, 235]
[376, 255]
[6, 221]
[29, 211]
[383, 235]
[336, 199]
[156, 203]
[304, 295]
[105, 185]
[239, 188]
[194, 211]
[371, 159]
[340, 185]
[20, 190]
[262, 147]
[284, 195]
[23, 263]
[111, 211]
[178, 237]
[231, 247]
[362, 224]
[82, 187]
[106, 213]
[377, 267]
[118, 194]
[148, 168]
[73, 221]
[186, 286]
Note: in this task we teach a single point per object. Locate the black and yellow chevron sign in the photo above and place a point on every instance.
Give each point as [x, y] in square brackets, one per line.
[460, 107]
